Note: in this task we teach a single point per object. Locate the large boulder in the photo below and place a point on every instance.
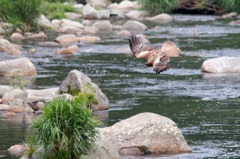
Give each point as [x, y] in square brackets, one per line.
[222, 65]
[76, 82]
[145, 133]
[104, 25]
[134, 26]
[161, 18]
[6, 46]
[89, 12]
[17, 67]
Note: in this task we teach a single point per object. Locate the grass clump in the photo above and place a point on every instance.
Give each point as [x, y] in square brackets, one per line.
[67, 128]
[18, 81]
[154, 7]
[56, 10]
[230, 5]
[21, 13]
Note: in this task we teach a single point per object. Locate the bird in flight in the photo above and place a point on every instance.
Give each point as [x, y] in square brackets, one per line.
[157, 57]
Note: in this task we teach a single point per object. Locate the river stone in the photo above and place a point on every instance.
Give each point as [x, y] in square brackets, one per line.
[4, 107]
[67, 38]
[13, 97]
[100, 3]
[74, 24]
[126, 5]
[73, 16]
[117, 13]
[136, 14]
[7, 115]
[49, 44]
[21, 67]
[17, 37]
[104, 25]
[17, 150]
[5, 89]
[103, 14]
[145, 133]
[44, 22]
[76, 81]
[91, 30]
[41, 35]
[124, 33]
[69, 50]
[161, 18]
[133, 25]
[89, 39]
[6, 46]
[89, 12]
[222, 65]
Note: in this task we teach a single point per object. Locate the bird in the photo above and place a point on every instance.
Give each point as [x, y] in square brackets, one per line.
[157, 57]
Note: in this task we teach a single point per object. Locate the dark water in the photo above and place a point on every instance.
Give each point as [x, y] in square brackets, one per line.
[206, 107]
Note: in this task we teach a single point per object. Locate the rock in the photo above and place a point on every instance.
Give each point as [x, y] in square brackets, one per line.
[5, 89]
[6, 28]
[117, 13]
[15, 99]
[78, 6]
[235, 23]
[73, 16]
[124, 33]
[6, 46]
[17, 150]
[126, 5]
[103, 14]
[133, 25]
[67, 38]
[89, 39]
[145, 133]
[40, 35]
[91, 30]
[17, 67]
[40, 105]
[56, 23]
[43, 95]
[229, 15]
[113, 6]
[44, 22]
[87, 22]
[49, 44]
[17, 37]
[70, 30]
[28, 109]
[89, 12]
[222, 65]
[32, 50]
[161, 18]
[117, 27]
[16, 109]
[4, 107]
[104, 25]
[74, 24]
[76, 81]
[69, 50]
[136, 15]
[100, 3]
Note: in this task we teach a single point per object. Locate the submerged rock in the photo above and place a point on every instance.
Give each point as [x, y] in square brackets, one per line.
[222, 65]
[17, 67]
[161, 18]
[142, 134]
[69, 50]
[89, 39]
[76, 82]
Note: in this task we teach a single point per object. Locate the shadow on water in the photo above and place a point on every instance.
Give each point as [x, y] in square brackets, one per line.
[204, 106]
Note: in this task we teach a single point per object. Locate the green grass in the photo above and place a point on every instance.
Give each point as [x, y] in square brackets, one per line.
[67, 128]
[154, 7]
[230, 5]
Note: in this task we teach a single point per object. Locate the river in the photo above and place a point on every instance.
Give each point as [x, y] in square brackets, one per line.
[206, 107]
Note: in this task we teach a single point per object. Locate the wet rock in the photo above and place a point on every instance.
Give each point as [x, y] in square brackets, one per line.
[104, 25]
[117, 13]
[113, 6]
[89, 39]
[76, 81]
[145, 133]
[69, 50]
[89, 12]
[235, 23]
[17, 67]
[6, 46]
[70, 30]
[4, 107]
[17, 37]
[49, 44]
[133, 25]
[73, 16]
[91, 30]
[103, 14]
[41, 35]
[124, 33]
[222, 65]
[17, 150]
[136, 15]
[28, 109]
[14, 97]
[161, 18]
[67, 38]
[87, 22]
[56, 23]
[71, 23]
[78, 6]
[126, 5]
[32, 50]
[7, 115]
[16, 109]
[44, 22]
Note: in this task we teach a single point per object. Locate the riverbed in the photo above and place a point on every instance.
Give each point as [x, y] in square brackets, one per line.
[205, 107]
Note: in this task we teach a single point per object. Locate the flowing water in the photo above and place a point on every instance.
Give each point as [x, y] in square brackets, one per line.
[206, 107]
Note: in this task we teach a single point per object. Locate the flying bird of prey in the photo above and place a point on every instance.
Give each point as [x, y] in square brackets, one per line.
[157, 57]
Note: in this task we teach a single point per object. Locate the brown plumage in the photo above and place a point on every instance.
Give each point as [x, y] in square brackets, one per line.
[156, 57]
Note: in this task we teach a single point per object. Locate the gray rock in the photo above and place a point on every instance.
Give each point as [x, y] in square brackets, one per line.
[44, 22]
[21, 67]
[41, 35]
[4, 107]
[76, 81]
[74, 24]
[145, 133]
[161, 18]
[89, 12]
[100, 3]
[222, 65]
[91, 30]
[136, 14]
[124, 33]
[103, 14]
[67, 38]
[7, 115]
[133, 25]
[117, 13]
[126, 5]
[235, 23]
[104, 25]
[5, 89]
[73, 16]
